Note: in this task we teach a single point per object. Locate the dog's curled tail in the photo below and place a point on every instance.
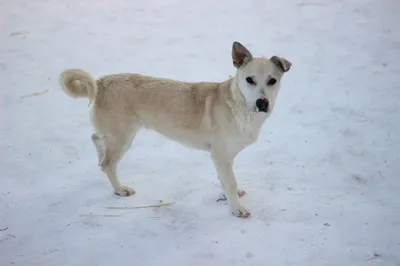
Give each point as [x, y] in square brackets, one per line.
[78, 84]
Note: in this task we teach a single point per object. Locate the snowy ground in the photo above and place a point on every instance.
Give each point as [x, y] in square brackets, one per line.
[323, 179]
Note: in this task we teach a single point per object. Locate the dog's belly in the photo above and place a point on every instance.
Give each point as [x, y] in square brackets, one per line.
[182, 127]
[195, 140]
[191, 141]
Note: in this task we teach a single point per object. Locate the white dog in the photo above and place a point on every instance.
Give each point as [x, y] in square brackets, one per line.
[221, 118]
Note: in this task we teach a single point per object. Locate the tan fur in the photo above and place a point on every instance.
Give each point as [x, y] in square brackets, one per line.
[211, 116]
[78, 83]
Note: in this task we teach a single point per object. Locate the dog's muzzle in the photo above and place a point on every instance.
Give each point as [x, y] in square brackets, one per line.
[262, 104]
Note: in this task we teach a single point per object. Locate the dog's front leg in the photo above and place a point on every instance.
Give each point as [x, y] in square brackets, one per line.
[224, 167]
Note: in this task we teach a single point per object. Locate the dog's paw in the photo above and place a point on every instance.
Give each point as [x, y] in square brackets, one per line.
[125, 191]
[241, 212]
[240, 192]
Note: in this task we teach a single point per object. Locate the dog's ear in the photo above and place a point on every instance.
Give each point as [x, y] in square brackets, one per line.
[281, 63]
[240, 55]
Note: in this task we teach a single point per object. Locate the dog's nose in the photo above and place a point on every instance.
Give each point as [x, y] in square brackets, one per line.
[262, 105]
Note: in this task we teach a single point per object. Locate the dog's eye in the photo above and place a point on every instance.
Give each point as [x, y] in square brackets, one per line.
[271, 82]
[250, 80]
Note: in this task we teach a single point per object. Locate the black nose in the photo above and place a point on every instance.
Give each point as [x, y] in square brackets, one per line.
[262, 105]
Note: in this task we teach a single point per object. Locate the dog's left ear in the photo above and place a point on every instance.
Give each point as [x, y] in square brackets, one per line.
[281, 63]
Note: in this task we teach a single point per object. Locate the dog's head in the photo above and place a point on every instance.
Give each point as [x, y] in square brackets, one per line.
[258, 78]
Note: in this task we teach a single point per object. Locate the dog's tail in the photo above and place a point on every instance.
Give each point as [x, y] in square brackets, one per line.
[78, 84]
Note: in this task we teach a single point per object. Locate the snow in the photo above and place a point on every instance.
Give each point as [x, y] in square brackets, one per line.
[322, 180]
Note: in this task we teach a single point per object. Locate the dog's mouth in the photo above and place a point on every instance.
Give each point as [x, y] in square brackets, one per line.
[262, 105]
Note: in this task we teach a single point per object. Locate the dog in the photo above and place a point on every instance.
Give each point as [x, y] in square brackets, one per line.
[221, 118]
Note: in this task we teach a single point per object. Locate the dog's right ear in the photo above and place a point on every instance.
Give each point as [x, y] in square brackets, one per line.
[240, 55]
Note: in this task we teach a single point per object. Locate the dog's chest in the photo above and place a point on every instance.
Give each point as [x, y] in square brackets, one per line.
[249, 126]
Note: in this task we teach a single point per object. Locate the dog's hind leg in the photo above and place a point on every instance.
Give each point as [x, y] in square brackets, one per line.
[115, 147]
[222, 195]
[111, 146]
